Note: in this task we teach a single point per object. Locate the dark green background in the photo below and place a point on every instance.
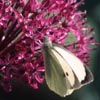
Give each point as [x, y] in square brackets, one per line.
[89, 92]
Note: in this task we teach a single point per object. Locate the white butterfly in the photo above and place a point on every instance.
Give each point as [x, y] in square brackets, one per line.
[64, 72]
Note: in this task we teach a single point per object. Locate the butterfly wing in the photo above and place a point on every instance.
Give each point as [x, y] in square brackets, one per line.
[83, 75]
[59, 77]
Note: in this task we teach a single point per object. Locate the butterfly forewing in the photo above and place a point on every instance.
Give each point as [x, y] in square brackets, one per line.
[83, 74]
[75, 64]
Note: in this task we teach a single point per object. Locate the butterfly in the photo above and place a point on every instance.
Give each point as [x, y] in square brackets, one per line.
[64, 72]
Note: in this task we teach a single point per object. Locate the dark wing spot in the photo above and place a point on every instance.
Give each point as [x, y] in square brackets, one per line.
[65, 74]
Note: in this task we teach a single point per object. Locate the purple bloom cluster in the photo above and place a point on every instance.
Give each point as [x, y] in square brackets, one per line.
[24, 23]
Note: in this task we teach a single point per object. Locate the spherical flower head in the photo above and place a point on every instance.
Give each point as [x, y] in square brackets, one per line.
[24, 23]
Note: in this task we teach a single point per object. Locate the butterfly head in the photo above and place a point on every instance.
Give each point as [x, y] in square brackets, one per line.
[47, 42]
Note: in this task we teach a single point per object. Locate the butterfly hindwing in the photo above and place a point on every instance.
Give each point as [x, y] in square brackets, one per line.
[59, 76]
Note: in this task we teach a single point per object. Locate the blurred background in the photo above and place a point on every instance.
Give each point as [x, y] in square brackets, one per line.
[89, 92]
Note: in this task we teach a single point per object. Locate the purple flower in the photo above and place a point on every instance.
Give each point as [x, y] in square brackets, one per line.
[24, 23]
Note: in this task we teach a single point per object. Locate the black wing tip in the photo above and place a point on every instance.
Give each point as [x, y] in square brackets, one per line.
[89, 77]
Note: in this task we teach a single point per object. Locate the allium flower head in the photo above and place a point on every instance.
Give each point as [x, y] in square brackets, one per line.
[24, 23]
